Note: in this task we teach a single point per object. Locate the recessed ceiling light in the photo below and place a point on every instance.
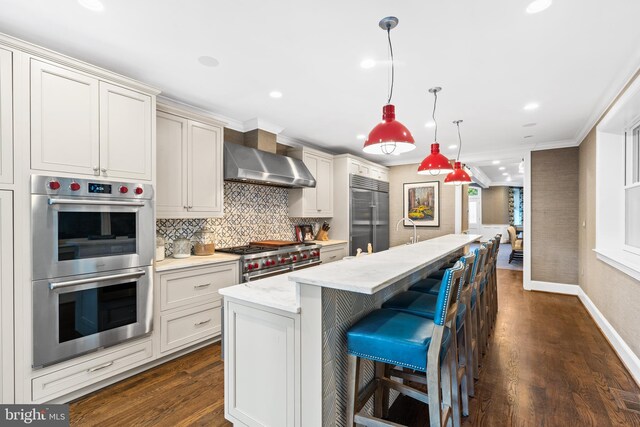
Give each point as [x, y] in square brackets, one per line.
[453, 147]
[531, 106]
[368, 63]
[208, 61]
[429, 124]
[92, 5]
[528, 136]
[505, 174]
[508, 178]
[538, 6]
[501, 168]
[275, 94]
[528, 125]
[496, 162]
[361, 136]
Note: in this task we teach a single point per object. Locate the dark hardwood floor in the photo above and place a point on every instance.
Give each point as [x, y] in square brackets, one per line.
[547, 365]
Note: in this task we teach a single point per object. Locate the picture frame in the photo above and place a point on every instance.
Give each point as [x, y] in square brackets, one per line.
[421, 203]
[304, 232]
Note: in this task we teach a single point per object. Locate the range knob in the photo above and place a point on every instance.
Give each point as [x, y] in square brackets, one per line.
[295, 258]
[250, 267]
[123, 189]
[139, 190]
[255, 265]
[74, 186]
[282, 260]
[54, 185]
[304, 256]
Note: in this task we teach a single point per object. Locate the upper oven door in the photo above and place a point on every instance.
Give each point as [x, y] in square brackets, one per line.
[80, 235]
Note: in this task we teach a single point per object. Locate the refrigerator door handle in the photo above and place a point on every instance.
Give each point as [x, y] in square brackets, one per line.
[374, 217]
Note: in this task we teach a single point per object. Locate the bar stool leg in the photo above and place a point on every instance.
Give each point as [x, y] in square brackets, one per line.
[353, 384]
[381, 396]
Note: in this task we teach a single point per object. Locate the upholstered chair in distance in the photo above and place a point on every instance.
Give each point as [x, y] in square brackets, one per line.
[516, 244]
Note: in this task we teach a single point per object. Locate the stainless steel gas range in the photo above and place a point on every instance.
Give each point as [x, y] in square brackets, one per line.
[257, 262]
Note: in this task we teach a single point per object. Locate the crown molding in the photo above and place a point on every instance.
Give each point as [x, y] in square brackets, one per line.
[262, 124]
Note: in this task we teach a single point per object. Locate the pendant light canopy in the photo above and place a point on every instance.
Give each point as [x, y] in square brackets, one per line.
[459, 176]
[435, 163]
[390, 136]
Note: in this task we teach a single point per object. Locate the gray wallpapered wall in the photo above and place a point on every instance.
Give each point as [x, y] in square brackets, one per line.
[251, 212]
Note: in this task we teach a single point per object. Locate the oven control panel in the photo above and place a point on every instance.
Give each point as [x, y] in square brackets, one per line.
[77, 187]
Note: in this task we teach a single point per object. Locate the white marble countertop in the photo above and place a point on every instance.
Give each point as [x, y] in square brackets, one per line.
[171, 263]
[275, 292]
[372, 273]
[329, 242]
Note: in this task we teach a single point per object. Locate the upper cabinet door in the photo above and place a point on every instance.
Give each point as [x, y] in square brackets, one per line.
[6, 118]
[64, 120]
[125, 133]
[205, 186]
[171, 186]
[324, 190]
[311, 194]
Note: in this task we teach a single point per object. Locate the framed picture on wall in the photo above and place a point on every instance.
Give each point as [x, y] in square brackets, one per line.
[421, 202]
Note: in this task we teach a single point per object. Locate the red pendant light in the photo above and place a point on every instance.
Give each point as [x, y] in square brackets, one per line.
[459, 176]
[390, 136]
[435, 163]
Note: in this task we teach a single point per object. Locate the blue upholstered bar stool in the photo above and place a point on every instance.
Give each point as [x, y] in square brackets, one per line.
[474, 312]
[397, 340]
[483, 328]
[424, 304]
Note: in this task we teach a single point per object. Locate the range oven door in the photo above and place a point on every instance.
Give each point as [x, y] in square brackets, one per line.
[77, 315]
[81, 235]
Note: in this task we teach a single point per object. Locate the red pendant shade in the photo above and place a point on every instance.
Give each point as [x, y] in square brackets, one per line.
[458, 176]
[390, 136]
[435, 163]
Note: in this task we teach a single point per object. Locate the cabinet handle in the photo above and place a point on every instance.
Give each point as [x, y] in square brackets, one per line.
[202, 323]
[201, 286]
[190, 207]
[333, 257]
[97, 368]
[96, 170]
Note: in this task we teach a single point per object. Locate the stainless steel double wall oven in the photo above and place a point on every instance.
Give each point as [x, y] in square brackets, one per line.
[93, 247]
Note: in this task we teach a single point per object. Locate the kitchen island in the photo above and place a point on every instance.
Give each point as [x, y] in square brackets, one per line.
[285, 336]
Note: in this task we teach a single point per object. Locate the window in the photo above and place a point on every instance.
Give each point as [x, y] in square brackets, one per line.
[632, 188]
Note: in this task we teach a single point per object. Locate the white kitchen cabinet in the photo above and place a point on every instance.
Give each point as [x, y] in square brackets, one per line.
[190, 169]
[333, 253]
[265, 355]
[318, 201]
[85, 126]
[379, 173]
[190, 305]
[125, 133]
[358, 168]
[6, 117]
[6, 296]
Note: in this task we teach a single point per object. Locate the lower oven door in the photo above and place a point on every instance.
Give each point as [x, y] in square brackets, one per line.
[80, 314]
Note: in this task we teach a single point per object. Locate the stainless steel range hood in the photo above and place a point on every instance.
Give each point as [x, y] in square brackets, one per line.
[245, 164]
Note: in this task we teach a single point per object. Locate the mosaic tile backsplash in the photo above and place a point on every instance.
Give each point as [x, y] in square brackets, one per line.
[251, 212]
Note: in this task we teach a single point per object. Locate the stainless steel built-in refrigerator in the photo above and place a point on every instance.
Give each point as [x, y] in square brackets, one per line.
[369, 205]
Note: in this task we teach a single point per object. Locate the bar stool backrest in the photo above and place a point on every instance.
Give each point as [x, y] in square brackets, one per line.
[469, 264]
[447, 302]
[483, 253]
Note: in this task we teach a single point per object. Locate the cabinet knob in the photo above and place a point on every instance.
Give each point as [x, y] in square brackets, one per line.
[96, 168]
[104, 170]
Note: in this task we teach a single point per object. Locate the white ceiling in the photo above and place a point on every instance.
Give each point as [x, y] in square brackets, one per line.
[490, 57]
[495, 172]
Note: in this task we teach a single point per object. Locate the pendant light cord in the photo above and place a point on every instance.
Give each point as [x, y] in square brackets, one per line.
[392, 66]
[459, 142]
[433, 117]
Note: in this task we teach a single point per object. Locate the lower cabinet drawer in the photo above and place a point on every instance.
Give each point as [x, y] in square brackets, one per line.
[184, 327]
[332, 253]
[90, 371]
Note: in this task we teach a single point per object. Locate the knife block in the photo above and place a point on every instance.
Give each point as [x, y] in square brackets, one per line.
[322, 236]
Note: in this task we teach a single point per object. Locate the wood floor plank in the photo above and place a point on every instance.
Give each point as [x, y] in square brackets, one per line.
[547, 365]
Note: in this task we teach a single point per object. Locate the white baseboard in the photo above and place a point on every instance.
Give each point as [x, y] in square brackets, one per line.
[556, 288]
[628, 357]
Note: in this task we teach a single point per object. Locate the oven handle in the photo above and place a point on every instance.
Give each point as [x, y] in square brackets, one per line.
[267, 273]
[77, 282]
[93, 202]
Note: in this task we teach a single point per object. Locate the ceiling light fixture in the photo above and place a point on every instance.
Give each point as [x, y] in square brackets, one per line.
[435, 163]
[275, 94]
[458, 176]
[361, 136]
[531, 106]
[528, 125]
[92, 5]
[452, 147]
[538, 6]
[496, 162]
[390, 136]
[521, 166]
[208, 61]
[429, 124]
[368, 63]
[505, 174]
[501, 168]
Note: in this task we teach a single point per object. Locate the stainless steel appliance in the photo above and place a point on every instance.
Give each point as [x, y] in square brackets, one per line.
[92, 245]
[369, 205]
[259, 262]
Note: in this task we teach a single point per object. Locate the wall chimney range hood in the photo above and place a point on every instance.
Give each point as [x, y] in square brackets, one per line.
[250, 165]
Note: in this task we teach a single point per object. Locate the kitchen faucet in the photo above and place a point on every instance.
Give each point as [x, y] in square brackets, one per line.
[415, 235]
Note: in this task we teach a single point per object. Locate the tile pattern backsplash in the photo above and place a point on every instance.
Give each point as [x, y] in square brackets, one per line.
[251, 212]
